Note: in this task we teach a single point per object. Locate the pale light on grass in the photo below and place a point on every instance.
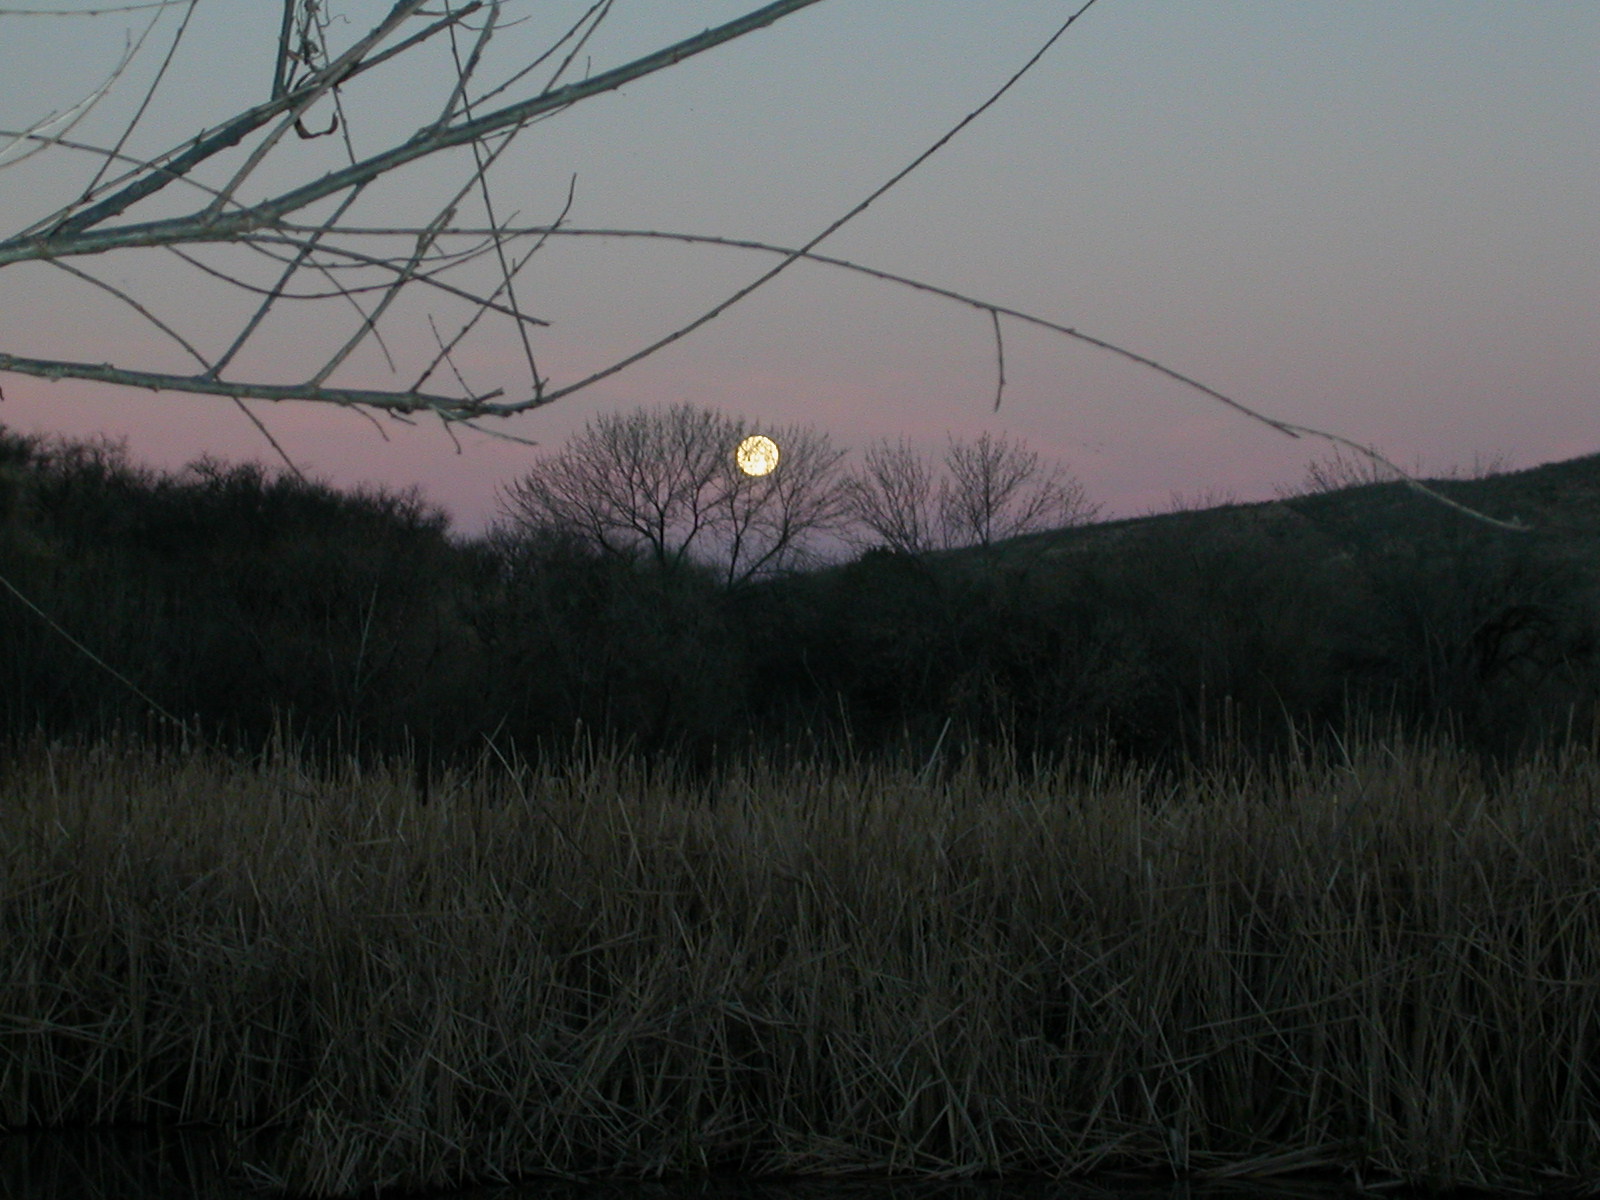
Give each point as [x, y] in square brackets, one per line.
[1379, 962]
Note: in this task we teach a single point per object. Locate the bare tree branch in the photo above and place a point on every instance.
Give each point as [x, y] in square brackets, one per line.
[76, 236]
[64, 232]
[68, 120]
[718, 309]
[991, 490]
[999, 360]
[450, 407]
[892, 497]
[1287, 428]
[484, 116]
[90, 12]
[149, 95]
[997, 489]
[304, 73]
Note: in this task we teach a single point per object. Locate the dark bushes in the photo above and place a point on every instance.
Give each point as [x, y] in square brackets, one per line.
[227, 596]
[242, 600]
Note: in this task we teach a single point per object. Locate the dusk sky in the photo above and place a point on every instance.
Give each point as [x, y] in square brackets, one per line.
[1375, 217]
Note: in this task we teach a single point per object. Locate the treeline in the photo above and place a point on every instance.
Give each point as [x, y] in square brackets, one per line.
[244, 602]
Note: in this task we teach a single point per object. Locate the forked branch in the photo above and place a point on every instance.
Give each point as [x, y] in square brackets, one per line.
[475, 111]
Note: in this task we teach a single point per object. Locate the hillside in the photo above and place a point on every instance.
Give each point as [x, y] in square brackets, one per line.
[1559, 501]
[1373, 602]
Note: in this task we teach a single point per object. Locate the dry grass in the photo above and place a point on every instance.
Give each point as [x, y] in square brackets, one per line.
[1378, 963]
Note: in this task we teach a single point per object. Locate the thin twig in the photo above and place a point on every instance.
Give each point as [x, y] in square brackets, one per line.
[271, 441]
[272, 296]
[358, 261]
[575, 30]
[158, 381]
[149, 94]
[995, 310]
[112, 289]
[72, 116]
[717, 310]
[75, 236]
[93, 657]
[600, 10]
[402, 277]
[447, 357]
[999, 359]
[89, 12]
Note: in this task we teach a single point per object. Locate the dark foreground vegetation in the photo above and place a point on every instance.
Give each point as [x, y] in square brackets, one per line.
[241, 602]
[1260, 839]
[1384, 963]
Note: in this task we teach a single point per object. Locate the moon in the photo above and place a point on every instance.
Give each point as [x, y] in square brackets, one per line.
[757, 455]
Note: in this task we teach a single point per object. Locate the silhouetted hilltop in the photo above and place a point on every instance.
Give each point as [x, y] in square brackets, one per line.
[1368, 602]
[1556, 500]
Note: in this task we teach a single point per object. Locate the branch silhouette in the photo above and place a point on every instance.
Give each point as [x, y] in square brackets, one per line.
[483, 117]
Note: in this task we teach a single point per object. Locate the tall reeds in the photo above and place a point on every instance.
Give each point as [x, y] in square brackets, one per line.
[1381, 959]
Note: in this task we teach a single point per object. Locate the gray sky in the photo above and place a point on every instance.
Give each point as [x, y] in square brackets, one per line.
[1370, 216]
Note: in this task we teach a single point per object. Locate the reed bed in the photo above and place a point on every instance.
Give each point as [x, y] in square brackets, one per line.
[1381, 961]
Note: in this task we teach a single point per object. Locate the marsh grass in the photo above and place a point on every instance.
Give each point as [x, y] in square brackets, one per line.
[1377, 960]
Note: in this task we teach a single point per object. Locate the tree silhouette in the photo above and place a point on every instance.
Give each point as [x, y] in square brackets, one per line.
[663, 485]
[992, 489]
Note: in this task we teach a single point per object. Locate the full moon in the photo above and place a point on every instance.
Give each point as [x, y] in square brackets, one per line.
[757, 455]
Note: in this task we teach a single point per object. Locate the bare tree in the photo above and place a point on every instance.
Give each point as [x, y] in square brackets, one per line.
[768, 522]
[992, 489]
[998, 489]
[640, 482]
[893, 497]
[663, 484]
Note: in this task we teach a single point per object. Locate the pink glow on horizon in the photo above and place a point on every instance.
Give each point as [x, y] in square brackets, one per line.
[1372, 219]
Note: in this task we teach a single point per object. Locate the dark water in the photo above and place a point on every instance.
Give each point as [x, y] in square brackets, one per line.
[154, 1164]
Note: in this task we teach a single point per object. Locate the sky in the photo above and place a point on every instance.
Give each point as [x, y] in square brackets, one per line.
[1373, 217]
